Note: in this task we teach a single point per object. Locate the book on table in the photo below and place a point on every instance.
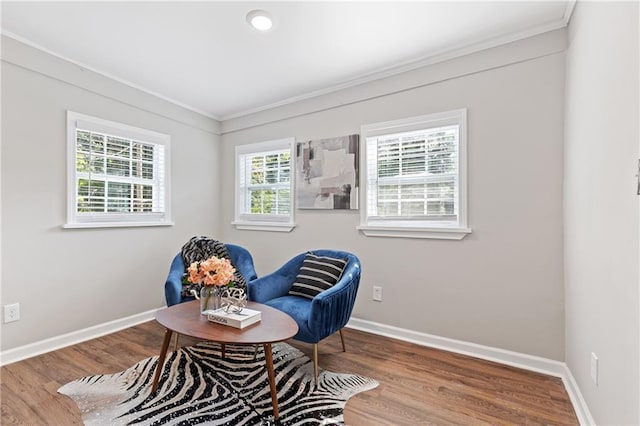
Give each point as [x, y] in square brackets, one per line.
[238, 320]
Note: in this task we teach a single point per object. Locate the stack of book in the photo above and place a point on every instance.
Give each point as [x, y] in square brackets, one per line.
[238, 320]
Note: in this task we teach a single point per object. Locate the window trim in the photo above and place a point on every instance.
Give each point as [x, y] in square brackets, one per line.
[113, 220]
[274, 223]
[408, 228]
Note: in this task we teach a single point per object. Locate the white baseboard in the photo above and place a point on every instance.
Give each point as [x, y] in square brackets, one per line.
[58, 342]
[502, 356]
[515, 359]
[579, 404]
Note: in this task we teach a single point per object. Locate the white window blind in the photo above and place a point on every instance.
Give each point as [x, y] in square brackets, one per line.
[415, 174]
[117, 174]
[264, 184]
[265, 180]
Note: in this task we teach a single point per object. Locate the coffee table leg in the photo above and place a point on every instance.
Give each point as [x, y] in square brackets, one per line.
[163, 355]
[268, 357]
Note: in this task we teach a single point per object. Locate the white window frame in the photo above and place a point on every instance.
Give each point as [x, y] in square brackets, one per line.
[245, 220]
[455, 229]
[162, 177]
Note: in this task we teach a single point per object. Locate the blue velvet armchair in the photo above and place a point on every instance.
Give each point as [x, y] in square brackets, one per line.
[320, 317]
[240, 258]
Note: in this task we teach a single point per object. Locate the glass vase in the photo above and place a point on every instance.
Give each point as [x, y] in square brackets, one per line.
[210, 298]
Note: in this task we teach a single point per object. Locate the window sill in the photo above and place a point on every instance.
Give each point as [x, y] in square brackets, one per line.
[114, 224]
[406, 232]
[264, 226]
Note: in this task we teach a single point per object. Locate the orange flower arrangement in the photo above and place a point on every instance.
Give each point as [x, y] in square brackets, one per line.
[211, 272]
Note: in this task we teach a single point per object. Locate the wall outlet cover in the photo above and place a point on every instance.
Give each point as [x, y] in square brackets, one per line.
[377, 293]
[594, 368]
[11, 312]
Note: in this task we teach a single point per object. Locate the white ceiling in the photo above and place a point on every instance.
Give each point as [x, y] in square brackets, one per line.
[204, 55]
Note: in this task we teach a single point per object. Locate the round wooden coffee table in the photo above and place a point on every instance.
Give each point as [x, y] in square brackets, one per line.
[185, 318]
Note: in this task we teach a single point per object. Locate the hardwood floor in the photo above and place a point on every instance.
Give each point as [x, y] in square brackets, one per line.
[418, 385]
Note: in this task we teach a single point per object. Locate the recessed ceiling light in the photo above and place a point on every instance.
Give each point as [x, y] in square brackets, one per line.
[260, 20]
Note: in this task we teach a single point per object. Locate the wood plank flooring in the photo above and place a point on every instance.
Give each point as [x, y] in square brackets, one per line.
[418, 385]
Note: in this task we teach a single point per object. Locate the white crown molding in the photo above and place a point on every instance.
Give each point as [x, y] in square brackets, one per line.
[33, 349]
[568, 12]
[108, 75]
[515, 359]
[432, 58]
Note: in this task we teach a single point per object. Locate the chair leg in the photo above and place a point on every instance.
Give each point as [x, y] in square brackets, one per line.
[175, 347]
[255, 353]
[344, 349]
[315, 362]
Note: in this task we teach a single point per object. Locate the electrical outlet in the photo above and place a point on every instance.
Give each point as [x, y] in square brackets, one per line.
[594, 368]
[11, 312]
[377, 293]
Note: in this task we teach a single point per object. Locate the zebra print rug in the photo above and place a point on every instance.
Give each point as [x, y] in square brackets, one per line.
[198, 386]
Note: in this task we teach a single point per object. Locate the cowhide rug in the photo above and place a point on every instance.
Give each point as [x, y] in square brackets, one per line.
[198, 386]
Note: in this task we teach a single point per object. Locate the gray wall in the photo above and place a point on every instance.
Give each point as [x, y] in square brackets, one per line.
[601, 208]
[502, 285]
[70, 279]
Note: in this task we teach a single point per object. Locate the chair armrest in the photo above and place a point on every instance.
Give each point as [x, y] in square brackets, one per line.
[331, 309]
[173, 285]
[275, 284]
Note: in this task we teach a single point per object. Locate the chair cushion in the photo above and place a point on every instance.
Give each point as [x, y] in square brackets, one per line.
[317, 274]
[299, 309]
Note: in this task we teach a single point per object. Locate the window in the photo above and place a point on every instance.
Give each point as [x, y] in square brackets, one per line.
[117, 174]
[415, 177]
[264, 189]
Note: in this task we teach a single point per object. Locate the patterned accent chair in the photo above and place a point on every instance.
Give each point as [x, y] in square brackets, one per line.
[240, 258]
[320, 316]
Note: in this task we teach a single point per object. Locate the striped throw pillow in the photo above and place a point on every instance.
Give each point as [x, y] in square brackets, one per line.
[317, 274]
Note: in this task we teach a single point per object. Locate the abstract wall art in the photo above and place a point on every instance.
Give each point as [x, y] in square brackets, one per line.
[327, 173]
